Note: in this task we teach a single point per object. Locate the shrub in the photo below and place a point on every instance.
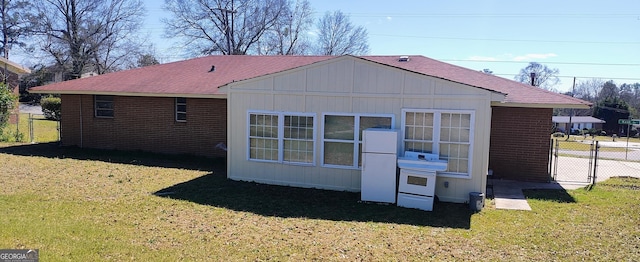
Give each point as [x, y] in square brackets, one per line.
[7, 102]
[51, 107]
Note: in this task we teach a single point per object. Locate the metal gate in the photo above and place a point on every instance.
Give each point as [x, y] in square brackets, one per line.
[574, 165]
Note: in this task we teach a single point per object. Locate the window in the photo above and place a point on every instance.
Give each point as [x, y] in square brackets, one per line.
[181, 109]
[447, 133]
[282, 137]
[103, 106]
[342, 137]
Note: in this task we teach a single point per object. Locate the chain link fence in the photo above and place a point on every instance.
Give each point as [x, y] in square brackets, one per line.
[585, 159]
[33, 128]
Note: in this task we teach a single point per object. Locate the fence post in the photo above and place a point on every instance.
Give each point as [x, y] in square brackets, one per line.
[58, 123]
[549, 169]
[595, 164]
[31, 128]
[555, 162]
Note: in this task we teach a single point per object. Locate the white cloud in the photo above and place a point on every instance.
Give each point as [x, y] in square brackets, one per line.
[529, 57]
[389, 18]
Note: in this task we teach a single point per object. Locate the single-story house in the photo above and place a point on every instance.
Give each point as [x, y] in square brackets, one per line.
[12, 72]
[297, 120]
[577, 122]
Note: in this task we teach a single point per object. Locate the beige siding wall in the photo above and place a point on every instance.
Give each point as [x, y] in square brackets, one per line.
[350, 85]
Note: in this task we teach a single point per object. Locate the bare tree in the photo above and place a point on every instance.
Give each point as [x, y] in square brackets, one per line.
[15, 17]
[544, 77]
[147, 60]
[288, 37]
[338, 36]
[83, 35]
[229, 27]
[588, 90]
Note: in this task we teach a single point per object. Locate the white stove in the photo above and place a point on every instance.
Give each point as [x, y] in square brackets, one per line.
[417, 183]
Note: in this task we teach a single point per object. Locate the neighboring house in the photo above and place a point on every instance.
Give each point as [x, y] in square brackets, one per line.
[13, 72]
[577, 123]
[296, 120]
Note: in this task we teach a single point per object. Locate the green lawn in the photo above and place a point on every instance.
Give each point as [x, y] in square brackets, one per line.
[578, 143]
[43, 130]
[96, 205]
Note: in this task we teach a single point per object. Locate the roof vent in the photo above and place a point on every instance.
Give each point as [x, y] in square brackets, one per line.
[404, 58]
[213, 68]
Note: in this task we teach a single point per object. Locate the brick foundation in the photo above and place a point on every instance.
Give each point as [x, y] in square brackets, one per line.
[146, 124]
[519, 147]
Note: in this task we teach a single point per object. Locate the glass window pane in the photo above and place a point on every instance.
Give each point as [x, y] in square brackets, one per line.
[181, 108]
[463, 151]
[445, 134]
[338, 153]
[428, 133]
[409, 133]
[445, 120]
[455, 135]
[455, 120]
[181, 116]
[104, 105]
[464, 135]
[371, 121]
[360, 155]
[339, 127]
[424, 147]
[463, 166]
[428, 119]
[465, 121]
[108, 113]
[419, 119]
[419, 133]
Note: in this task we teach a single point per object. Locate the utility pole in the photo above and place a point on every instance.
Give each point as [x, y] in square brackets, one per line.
[573, 89]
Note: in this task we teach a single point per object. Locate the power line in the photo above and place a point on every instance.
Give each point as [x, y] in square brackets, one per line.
[520, 62]
[590, 77]
[477, 15]
[508, 40]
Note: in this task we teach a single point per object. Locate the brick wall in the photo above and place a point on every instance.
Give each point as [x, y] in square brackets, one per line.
[520, 143]
[147, 124]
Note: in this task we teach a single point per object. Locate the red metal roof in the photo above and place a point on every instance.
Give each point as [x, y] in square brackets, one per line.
[192, 77]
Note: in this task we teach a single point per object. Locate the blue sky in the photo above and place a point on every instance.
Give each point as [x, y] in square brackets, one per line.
[584, 39]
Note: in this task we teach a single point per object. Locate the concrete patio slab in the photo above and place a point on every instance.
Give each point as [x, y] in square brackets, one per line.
[508, 194]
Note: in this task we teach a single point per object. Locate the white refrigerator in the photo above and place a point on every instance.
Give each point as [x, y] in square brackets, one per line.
[379, 156]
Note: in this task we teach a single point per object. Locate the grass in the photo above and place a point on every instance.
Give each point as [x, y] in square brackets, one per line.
[105, 205]
[576, 143]
[43, 130]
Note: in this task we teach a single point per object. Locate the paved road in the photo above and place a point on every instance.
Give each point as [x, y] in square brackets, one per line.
[577, 169]
[632, 155]
[26, 108]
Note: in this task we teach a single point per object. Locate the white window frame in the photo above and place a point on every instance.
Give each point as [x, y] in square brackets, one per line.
[437, 113]
[356, 137]
[96, 108]
[281, 117]
[178, 112]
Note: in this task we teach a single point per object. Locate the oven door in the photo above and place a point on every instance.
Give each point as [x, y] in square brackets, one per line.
[417, 182]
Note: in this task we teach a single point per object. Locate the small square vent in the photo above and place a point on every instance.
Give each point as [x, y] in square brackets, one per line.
[403, 58]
